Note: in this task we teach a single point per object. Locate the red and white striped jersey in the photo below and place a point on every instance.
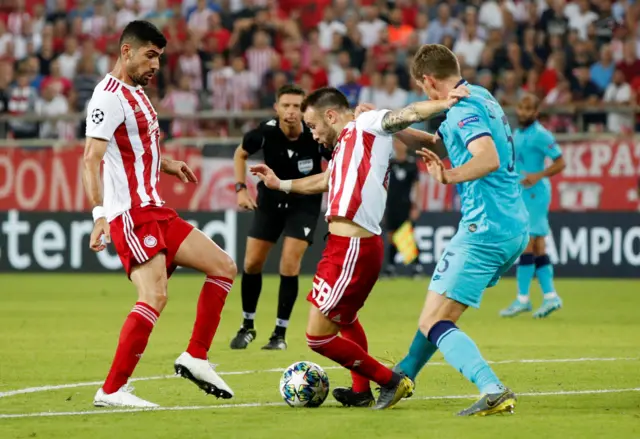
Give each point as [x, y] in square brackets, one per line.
[359, 172]
[123, 115]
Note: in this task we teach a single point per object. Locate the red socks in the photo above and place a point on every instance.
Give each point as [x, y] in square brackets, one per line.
[212, 298]
[351, 356]
[131, 345]
[355, 333]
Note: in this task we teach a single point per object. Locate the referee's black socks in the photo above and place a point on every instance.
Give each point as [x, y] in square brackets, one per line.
[251, 285]
[286, 299]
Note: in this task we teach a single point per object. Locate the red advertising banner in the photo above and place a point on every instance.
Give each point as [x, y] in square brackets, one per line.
[599, 176]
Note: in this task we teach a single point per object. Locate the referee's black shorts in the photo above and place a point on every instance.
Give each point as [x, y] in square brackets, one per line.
[395, 216]
[268, 225]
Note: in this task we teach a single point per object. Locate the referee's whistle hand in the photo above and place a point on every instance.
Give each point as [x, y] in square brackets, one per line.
[245, 201]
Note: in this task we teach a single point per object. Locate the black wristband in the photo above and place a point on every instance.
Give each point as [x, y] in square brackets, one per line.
[240, 186]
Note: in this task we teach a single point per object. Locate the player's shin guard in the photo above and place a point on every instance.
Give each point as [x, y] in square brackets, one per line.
[462, 353]
[355, 332]
[134, 337]
[524, 274]
[544, 272]
[251, 285]
[420, 352]
[351, 356]
[286, 299]
[212, 298]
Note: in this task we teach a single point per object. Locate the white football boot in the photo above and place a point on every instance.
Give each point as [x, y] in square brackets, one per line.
[203, 375]
[121, 398]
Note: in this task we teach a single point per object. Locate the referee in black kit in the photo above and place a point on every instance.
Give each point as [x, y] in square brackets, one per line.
[290, 150]
[402, 197]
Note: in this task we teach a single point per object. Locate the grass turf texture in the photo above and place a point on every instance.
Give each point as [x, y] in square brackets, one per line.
[62, 329]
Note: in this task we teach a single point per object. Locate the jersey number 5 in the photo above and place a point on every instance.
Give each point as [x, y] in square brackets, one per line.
[507, 131]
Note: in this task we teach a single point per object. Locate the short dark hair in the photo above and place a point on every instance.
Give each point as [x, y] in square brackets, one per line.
[289, 89]
[326, 97]
[435, 60]
[140, 32]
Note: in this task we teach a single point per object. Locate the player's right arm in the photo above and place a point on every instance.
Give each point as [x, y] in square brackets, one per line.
[314, 184]
[104, 115]
[397, 120]
[413, 138]
[94, 151]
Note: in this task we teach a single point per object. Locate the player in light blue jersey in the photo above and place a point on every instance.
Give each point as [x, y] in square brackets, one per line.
[534, 144]
[493, 231]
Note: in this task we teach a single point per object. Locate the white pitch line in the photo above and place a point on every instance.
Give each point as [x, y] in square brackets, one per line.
[281, 404]
[279, 370]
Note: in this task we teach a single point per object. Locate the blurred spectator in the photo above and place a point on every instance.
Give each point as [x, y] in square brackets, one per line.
[182, 101]
[558, 96]
[351, 88]
[124, 15]
[619, 92]
[95, 24]
[46, 56]
[399, 31]
[31, 66]
[582, 18]
[52, 104]
[61, 84]
[338, 69]
[328, 27]
[68, 60]
[22, 100]
[469, 45]
[198, 19]
[602, 71]
[370, 26]
[259, 54]
[190, 65]
[390, 95]
[442, 26]
[630, 64]
[85, 81]
[17, 19]
[241, 86]
[553, 20]
[509, 91]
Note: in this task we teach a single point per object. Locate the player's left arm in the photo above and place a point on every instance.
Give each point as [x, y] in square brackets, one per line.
[313, 184]
[484, 161]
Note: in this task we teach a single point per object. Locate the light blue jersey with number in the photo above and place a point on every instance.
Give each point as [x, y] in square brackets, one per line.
[492, 206]
[533, 145]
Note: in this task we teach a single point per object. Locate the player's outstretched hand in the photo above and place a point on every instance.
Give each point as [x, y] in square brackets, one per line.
[266, 174]
[363, 108]
[100, 236]
[180, 170]
[435, 167]
[457, 94]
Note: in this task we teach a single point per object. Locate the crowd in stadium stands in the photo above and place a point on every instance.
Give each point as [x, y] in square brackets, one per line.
[232, 55]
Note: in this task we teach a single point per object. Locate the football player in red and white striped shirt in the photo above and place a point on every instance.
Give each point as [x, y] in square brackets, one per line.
[356, 180]
[151, 240]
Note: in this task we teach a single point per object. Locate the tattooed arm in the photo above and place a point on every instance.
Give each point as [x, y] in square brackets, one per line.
[397, 120]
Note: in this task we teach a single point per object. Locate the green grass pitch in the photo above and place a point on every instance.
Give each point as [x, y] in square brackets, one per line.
[577, 372]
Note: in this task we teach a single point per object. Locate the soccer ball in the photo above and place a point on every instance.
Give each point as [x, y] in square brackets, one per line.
[304, 384]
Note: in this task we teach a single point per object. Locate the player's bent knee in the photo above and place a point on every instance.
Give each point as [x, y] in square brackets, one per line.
[155, 295]
[224, 267]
